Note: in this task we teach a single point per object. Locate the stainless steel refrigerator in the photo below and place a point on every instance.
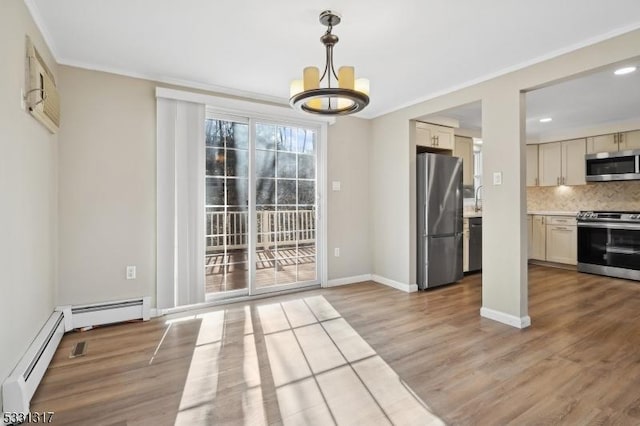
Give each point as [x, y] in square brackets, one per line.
[439, 185]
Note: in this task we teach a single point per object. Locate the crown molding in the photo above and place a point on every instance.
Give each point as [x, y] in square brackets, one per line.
[504, 71]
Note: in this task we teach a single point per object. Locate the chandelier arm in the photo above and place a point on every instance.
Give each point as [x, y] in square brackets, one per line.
[333, 69]
[326, 65]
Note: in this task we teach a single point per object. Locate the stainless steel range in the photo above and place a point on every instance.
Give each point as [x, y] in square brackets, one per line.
[609, 243]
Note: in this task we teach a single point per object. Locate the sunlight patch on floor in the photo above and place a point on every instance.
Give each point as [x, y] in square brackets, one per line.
[292, 362]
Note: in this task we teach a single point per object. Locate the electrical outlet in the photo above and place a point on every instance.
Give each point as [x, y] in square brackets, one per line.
[336, 252]
[335, 185]
[131, 272]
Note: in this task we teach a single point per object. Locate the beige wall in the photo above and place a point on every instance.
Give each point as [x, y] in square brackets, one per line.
[393, 189]
[28, 216]
[107, 186]
[107, 189]
[348, 209]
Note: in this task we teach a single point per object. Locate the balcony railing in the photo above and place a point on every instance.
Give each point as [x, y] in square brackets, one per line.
[229, 230]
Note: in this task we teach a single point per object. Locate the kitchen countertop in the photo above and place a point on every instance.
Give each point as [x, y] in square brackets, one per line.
[467, 214]
[553, 213]
[471, 214]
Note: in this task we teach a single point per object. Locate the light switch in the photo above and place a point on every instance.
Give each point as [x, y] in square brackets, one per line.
[335, 185]
[131, 272]
[497, 178]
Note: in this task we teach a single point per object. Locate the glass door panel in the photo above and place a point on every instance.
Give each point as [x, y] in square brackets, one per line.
[285, 205]
[226, 206]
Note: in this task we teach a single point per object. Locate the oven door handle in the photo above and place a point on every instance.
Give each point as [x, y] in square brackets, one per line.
[625, 226]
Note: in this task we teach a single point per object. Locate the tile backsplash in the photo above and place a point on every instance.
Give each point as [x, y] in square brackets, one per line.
[594, 196]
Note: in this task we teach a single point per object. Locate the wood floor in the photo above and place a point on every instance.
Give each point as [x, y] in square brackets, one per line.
[578, 364]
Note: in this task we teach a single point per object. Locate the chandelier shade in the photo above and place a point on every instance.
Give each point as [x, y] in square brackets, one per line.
[330, 93]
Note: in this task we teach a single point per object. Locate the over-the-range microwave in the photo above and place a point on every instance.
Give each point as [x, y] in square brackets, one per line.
[606, 166]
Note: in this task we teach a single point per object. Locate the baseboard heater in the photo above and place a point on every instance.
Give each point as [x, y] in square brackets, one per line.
[19, 387]
[81, 316]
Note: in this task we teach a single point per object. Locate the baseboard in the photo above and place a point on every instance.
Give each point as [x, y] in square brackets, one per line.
[513, 321]
[553, 265]
[348, 280]
[407, 288]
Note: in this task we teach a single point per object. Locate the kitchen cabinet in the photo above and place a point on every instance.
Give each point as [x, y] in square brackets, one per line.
[532, 165]
[434, 136]
[561, 163]
[538, 238]
[463, 148]
[465, 245]
[614, 142]
[602, 143]
[553, 239]
[529, 235]
[562, 240]
[629, 140]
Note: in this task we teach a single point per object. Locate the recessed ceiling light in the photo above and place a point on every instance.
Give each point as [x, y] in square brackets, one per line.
[625, 70]
[546, 119]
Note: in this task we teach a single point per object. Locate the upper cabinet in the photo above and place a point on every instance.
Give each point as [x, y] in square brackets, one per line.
[532, 165]
[614, 142]
[602, 143]
[629, 140]
[463, 148]
[573, 164]
[562, 163]
[549, 164]
[434, 136]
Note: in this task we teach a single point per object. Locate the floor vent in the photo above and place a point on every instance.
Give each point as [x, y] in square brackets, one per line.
[79, 349]
[106, 313]
[20, 386]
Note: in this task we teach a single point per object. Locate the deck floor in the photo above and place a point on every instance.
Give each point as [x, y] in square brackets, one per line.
[229, 272]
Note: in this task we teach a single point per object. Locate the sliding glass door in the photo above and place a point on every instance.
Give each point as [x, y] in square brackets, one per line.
[261, 207]
[285, 205]
[226, 205]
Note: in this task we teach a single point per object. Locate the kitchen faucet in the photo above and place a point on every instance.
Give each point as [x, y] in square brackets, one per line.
[476, 209]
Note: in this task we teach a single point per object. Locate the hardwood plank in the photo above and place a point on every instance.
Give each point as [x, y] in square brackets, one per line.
[577, 364]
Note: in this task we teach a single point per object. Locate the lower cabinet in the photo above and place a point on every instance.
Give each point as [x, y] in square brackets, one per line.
[465, 245]
[553, 239]
[562, 241]
[537, 238]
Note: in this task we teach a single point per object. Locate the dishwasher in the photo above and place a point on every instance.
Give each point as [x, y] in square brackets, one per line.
[475, 244]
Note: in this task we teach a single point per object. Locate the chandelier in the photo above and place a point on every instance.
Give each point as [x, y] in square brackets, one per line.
[341, 93]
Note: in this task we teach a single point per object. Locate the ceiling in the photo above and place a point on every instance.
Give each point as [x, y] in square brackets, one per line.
[584, 102]
[254, 47]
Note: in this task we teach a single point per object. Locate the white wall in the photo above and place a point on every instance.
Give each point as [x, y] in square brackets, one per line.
[108, 193]
[28, 191]
[393, 187]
